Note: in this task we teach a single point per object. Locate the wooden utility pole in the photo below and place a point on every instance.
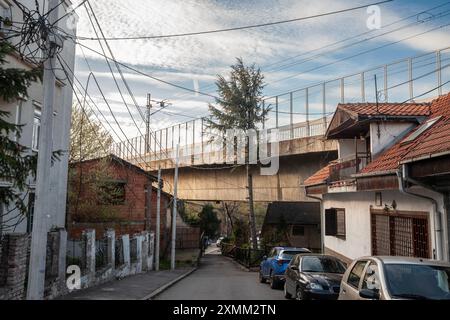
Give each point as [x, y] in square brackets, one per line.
[251, 209]
[158, 220]
[174, 211]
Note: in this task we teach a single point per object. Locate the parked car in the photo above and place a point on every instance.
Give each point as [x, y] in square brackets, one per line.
[314, 276]
[396, 278]
[219, 241]
[273, 266]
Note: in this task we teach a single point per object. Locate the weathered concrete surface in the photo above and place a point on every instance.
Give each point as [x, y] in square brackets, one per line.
[218, 278]
[230, 184]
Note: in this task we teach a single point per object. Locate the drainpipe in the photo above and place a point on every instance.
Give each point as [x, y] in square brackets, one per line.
[322, 224]
[404, 177]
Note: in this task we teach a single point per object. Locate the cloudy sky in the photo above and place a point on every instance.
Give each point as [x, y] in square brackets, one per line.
[287, 53]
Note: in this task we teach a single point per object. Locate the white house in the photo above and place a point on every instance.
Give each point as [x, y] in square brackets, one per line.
[388, 193]
[27, 112]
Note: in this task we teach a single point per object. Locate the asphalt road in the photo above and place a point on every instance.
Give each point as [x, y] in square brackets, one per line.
[218, 278]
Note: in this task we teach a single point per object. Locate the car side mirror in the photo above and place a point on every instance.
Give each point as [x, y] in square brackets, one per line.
[294, 268]
[369, 294]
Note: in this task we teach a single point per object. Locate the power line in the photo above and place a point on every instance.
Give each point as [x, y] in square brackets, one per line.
[358, 54]
[347, 39]
[441, 15]
[239, 28]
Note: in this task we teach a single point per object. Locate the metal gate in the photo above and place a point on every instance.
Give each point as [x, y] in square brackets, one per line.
[400, 234]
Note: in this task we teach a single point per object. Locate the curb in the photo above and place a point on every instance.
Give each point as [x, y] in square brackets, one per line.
[168, 285]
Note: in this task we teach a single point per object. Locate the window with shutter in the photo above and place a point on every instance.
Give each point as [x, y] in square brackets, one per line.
[335, 222]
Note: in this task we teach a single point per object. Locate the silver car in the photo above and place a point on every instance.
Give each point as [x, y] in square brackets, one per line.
[396, 278]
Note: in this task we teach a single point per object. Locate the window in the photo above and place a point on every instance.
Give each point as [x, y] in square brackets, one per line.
[356, 274]
[372, 278]
[298, 230]
[335, 223]
[322, 265]
[427, 125]
[112, 193]
[36, 130]
[420, 281]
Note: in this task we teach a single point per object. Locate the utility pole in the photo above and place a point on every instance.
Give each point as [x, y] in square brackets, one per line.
[251, 209]
[158, 220]
[174, 211]
[147, 127]
[36, 275]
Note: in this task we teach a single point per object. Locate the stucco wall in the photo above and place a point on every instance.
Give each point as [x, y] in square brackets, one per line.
[357, 210]
[388, 131]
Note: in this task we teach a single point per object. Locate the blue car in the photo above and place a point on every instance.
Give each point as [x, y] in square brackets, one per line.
[273, 266]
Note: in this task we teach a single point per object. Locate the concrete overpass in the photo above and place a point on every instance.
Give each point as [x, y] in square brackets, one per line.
[302, 149]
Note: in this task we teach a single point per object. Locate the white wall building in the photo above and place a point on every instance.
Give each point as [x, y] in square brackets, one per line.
[27, 112]
[384, 195]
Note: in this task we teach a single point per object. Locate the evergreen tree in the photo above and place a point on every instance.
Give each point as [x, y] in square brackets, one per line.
[240, 107]
[209, 223]
[16, 164]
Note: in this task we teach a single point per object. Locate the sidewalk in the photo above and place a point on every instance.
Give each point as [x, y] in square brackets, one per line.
[138, 287]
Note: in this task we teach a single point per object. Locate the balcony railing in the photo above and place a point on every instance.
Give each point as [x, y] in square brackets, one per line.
[346, 168]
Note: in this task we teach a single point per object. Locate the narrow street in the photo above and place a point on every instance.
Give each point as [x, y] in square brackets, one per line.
[218, 278]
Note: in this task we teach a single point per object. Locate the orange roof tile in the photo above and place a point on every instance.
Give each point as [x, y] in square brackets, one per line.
[432, 141]
[391, 109]
[320, 176]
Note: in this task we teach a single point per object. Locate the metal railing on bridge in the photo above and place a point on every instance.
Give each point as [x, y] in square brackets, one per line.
[306, 111]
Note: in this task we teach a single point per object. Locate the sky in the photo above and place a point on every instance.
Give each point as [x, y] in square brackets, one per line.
[196, 61]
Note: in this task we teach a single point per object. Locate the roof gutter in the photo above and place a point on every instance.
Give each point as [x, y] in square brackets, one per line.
[427, 156]
[403, 177]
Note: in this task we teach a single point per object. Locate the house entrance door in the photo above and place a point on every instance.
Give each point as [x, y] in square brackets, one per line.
[400, 234]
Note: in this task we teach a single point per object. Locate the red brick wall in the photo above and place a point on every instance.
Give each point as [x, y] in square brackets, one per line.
[132, 214]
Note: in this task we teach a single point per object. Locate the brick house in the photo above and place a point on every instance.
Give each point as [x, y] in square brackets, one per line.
[120, 201]
[388, 193]
[113, 194]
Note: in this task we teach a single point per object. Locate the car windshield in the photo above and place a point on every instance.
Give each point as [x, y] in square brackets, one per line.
[322, 265]
[414, 281]
[288, 255]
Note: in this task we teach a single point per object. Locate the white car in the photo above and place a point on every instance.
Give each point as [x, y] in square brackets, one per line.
[219, 241]
[396, 278]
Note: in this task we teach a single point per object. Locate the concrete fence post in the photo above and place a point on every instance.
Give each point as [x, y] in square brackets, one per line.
[111, 248]
[126, 250]
[136, 251]
[145, 246]
[88, 257]
[151, 249]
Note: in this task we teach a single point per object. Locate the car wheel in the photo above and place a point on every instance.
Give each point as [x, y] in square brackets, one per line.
[287, 295]
[299, 294]
[273, 282]
[261, 277]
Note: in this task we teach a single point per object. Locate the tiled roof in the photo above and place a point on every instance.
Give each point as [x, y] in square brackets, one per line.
[320, 176]
[434, 140]
[391, 109]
